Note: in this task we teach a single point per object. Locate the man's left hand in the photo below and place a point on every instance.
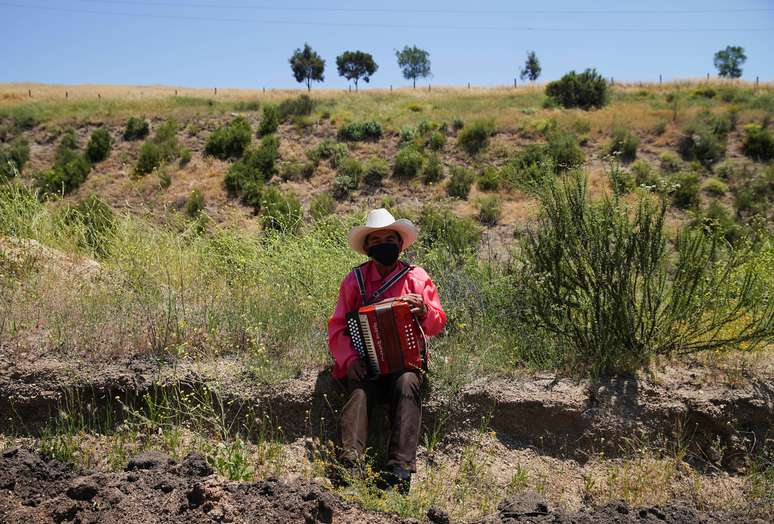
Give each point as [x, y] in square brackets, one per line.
[417, 303]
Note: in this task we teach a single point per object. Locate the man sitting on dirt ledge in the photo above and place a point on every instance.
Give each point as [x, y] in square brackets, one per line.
[382, 239]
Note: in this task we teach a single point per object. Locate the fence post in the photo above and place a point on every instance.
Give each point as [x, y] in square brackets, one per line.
[659, 79]
[708, 76]
[175, 92]
[428, 88]
[514, 82]
[756, 82]
[612, 81]
[99, 96]
[67, 95]
[29, 92]
[468, 85]
[390, 88]
[216, 91]
[264, 90]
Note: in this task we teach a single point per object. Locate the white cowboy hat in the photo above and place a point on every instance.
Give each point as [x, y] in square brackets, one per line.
[382, 219]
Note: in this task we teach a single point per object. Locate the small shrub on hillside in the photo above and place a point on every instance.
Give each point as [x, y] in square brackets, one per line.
[258, 165]
[195, 203]
[529, 170]
[475, 138]
[330, 150]
[360, 131]
[624, 145]
[441, 228]
[297, 171]
[230, 140]
[322, 205]
[303, 105]
[717, 220]
[269, 121]
[489, 180]
[704, 92]
[724, 170]
[715, 186]
[621, 180]
[407, 135]
[758, 142]
[99, 145]
[644, 174]
[280, 211]
[352, 168]
[586, 90]
[701, 144]
[408, 163]
[460, 181]
[93, 222]
[424, 127]
[13, 157]
[660, 127]
[490, 210]
[68, 142]
[686, 194]
[150, 158]
[375, 171]
[136, 129]
[436, 141]
[563, 150]
[433, 170]
[457, 123]
[341, 186]
[185, 156]
[165, 179]
[670, 162]
[252, 194]
[756, 195]
[69, 171]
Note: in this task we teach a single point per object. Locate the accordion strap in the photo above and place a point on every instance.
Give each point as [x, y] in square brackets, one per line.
[379, 292]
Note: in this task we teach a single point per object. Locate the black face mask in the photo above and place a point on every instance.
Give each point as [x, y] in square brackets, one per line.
[385, 254]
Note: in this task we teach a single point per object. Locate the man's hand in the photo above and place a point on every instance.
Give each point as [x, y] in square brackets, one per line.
[356, 370]
[417, 303]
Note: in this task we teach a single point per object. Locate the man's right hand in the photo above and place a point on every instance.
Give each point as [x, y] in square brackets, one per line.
[356, 370]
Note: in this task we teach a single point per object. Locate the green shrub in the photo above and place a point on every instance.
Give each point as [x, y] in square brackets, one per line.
[303, 105]
[621, 180]
[258, 165]
[433, 170]
[563, 150]
[490, 210]
[725, 170]
[13, 157]
[69, 171]
[352, 168]
[758, 143]
[644, 174]
[457, 123]
[322, 205]
[408, 163]
[624, 144]
[230, 140]
[68, 142]
[407, 135]
[150, 158]
[701, 144]
[717, 220]
[585, 90]
[715, 186]
[269, 121]
[529, 170]
[489, 180]
[93, 222]
[436, 141]
[475, 138]
[704, 92]
[424, 127]
[756, 195]
[330, 150]
[298, 171]
[185, 156]
[686, 194]
[375, 171]
[280, 211]
[441, 228]
[252, 193]
[660, 127]
[670, 162]
[99, 145]
[342, 185]
[602, 281]
[360, 131]
[136, 128]
[460, 181]
[195, 203]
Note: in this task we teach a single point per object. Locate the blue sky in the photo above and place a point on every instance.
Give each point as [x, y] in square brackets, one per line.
[246, 43]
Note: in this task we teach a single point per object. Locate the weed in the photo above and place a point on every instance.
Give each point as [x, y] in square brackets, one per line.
[460, 182]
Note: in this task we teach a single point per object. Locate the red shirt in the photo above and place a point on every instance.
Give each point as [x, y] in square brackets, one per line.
[415, 281]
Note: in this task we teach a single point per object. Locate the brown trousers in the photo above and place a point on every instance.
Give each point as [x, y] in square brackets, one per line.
[401, 392]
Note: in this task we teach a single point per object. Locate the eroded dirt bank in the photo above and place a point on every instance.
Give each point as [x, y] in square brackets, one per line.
[558, 416]
[155, 488]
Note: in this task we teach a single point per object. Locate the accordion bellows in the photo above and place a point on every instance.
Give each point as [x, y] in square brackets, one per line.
[388, 338]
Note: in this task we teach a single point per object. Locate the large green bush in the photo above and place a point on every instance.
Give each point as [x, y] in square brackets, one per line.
[303, 105]
[586, 90]
[360, 131]
[408, 163]
[150, 158]
[758, 142]
[280, 210]
[460, 182]
[490, 209]
[270, 120]
[602, 281]
[69, 171]
[99, 145]
[475, 137]
[13, 157]
[136, 128]
[258, 165]
[230, 140]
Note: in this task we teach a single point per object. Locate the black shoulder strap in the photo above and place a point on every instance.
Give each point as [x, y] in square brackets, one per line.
[387, 285]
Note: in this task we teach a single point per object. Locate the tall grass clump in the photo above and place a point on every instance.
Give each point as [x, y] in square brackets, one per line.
[270, 120]
[460, 182]
[623, 144]
[92, 223]
[408, 163]
[13, 157]
[758, 142]
[162, 147]
[369, 130]
[230, 140]
[300, 106]
[280, 210]
[475, 138]
[606, 286]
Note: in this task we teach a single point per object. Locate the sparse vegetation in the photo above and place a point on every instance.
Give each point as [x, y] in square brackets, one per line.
[13, 157]
[624, 144]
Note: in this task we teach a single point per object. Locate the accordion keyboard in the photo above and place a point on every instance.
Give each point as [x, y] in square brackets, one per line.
[370, 350]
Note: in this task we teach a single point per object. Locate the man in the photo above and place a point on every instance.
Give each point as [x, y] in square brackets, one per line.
[382, 239]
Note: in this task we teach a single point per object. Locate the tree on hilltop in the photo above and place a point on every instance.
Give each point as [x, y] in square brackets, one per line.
[414, 63]
[307, 66]
[532, 68]
[729, 61]
[354, 65]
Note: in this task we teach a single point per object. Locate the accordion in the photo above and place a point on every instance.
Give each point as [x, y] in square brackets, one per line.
[387, 336]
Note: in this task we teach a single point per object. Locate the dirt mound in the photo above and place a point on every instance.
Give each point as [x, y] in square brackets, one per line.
[154, 488]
